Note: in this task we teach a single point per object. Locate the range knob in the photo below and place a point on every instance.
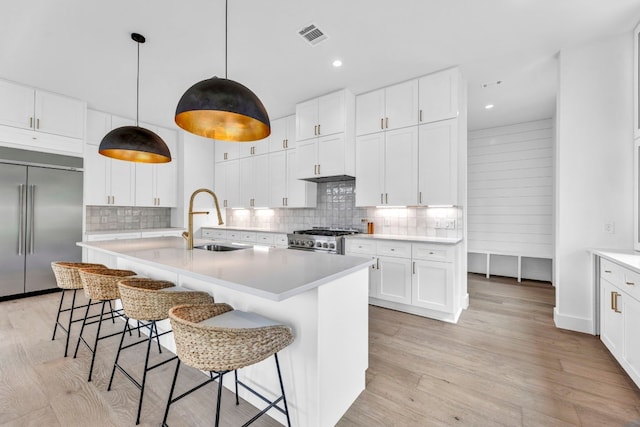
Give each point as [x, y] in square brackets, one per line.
[332, 246]
[325, 245]
[309, 243]
[319, 244]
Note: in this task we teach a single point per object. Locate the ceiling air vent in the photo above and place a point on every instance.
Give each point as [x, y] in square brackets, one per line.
[312, 34]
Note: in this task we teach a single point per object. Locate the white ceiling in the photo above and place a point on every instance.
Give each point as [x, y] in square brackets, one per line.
[82, 48]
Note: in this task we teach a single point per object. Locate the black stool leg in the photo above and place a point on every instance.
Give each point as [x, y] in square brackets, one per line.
[84, 321]
[284, 399]
[220, 377]
[155, 326]
[173, 386]
[55, 328]
[235, 373]
[113, 371]
[95, 345]
[146, 365]
[73, 304]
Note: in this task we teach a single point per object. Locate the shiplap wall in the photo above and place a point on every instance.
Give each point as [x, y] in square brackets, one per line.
[510, 191]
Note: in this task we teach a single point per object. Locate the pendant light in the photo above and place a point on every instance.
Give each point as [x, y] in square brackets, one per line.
[134, 143]
[223, 109]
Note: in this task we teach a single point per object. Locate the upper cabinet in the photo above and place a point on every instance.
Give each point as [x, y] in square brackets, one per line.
[283, 134]
[41, 120]
[636, 83]
[157, 184]
[325, 134]
[438, 163]
[439, 96]
[226, 151]
[393, 107]
[253, 148]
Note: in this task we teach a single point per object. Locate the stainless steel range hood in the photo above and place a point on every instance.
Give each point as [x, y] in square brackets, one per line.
[333, 178]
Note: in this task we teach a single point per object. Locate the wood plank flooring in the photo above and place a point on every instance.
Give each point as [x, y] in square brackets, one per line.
[503, 364]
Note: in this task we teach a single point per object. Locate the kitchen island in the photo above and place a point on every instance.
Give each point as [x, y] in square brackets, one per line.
[323, 297]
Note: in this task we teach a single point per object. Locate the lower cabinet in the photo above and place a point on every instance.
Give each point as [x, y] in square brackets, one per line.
[278, 240]
[418, 278]
[620, 315]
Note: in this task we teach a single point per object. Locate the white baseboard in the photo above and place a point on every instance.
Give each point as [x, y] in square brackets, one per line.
[572, 323]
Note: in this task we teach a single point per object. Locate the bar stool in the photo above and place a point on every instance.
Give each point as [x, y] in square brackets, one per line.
[219, 339]
[68, 279]
[148, 301]
[100, 284]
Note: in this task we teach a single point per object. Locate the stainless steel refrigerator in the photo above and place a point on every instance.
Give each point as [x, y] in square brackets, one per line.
[40, 222]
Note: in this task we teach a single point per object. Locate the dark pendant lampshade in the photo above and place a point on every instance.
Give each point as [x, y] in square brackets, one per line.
[223, 109]
[134, 144]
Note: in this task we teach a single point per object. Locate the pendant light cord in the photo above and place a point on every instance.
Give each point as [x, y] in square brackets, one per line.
[138, 85]
[226, 35]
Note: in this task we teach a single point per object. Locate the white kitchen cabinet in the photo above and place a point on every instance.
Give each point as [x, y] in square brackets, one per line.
[439, 95]
[39, 120]
[285, 190]
[393, 107]
[157, 184]
[226, 151]
[366, 249]
[387, 168]
[394, 279]
[98, 125]
[432, 285]
[283, 134]
[438, 163]
[107, 181]
[214, 233]
[325, 136]
[227, 184]
[636, 83]
[254, 181]
[631, 310]
[246, 149]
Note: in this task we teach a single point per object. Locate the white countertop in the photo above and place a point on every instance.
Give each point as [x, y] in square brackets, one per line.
[256, 229]
[137, 230]
[272, 273]
[407, 238]
[628, 258]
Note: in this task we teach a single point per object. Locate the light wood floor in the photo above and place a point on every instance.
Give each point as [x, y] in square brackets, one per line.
[504, 363]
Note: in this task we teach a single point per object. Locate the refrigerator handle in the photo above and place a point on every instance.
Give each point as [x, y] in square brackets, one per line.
[21, 190]
[32, 221]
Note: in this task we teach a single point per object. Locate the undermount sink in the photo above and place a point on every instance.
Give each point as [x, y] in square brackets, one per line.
[220, 248]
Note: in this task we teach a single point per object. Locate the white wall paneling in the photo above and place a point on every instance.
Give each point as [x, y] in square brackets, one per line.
[510, 199]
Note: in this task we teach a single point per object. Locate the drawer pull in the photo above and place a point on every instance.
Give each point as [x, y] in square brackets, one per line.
[607, 271]
[630, 283]
[430, 253]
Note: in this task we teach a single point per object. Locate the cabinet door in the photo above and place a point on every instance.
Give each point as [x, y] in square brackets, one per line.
[98, 125]
[290, 123]
[401, 105]
[59, 115]
[95, 177]
[277, 179]
[226, 151]
[300, 194]
[401, 167]
[331, 155]
[370, 112]
[437, 163]
[220, 184]
[631, 310]
[253, 148]
[278, 135]
[307, 120]
[395, 279]
[261, 181]
[246, 182]
[331, 113]
[232, 188]
[611, 318]
[16, 105]
[370, 169]
[307, 158]
[145, 194]
[122, 179]
[432, 285]
[439, 96]
[636, 82]
[166, 174]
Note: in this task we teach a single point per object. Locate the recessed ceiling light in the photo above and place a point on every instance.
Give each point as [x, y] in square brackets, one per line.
[488, 106]
[337, 63]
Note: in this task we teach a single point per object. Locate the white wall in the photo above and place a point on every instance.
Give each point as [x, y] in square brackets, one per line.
[197, 165]
[594, 169]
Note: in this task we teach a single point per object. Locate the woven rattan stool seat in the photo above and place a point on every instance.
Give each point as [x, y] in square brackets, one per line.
[68, 279]
[226, 344]
[102, 283]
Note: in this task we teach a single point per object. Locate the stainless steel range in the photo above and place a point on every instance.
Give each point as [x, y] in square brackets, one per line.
[318, 239]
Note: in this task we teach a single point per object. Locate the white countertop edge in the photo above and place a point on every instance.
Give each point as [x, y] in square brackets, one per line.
[407, 238]
[253, 229]
[627, 257]
[137, 230]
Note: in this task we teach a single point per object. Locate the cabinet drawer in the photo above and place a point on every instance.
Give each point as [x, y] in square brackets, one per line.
[265, 238]
[431, 252]
[234, 235]
[248, 236]
[214, 234]
[394, 249]
[281, 240]
[361, 246]
[621, 277]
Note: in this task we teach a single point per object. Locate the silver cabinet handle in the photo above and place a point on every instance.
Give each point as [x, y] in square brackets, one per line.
[318, 169]
[31, 211]
[381, 122]
[420, 115]
[318, 129]
[630, 283]
[381, 198]
[377, 263]
[414, 267]
[37, 123]
[386, 198]
[420, 197]
[30, 122]
[387, 123]
[315, 130]
[21, 219]
[607, 271]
